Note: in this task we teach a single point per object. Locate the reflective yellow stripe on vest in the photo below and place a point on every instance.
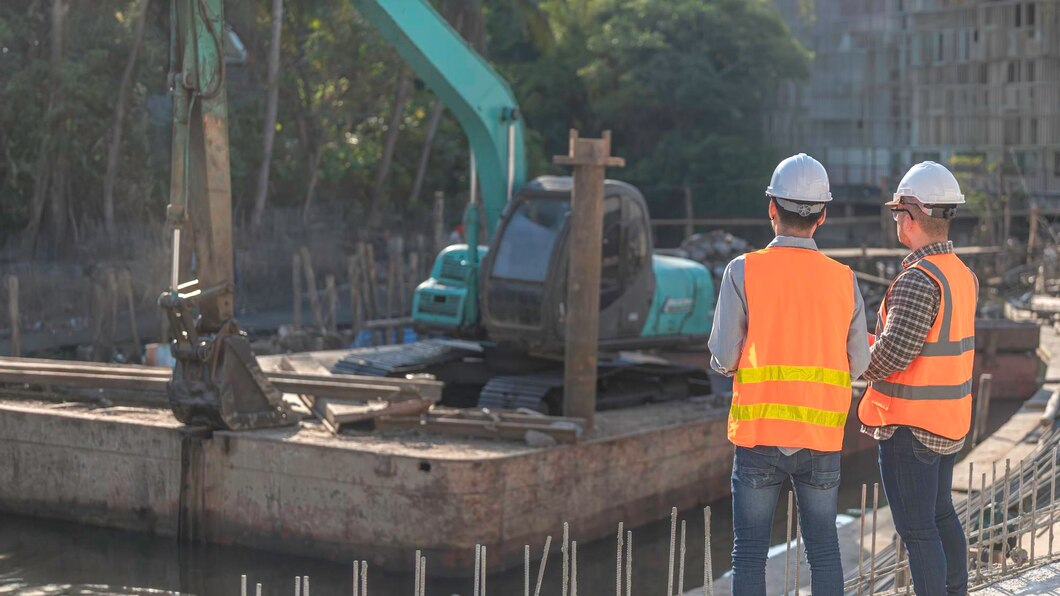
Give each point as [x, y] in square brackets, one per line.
[788, 412]
[812, 374]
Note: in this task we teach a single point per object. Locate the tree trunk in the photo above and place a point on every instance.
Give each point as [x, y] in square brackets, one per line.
[383, 168]
[271, 107]
[119, 123]
[314, 177]
[425, 153]
[43, 176]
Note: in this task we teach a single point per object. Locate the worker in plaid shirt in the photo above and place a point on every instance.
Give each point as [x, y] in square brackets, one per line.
[918, 404]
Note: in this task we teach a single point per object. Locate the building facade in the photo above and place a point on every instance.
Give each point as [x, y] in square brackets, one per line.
[974, 84]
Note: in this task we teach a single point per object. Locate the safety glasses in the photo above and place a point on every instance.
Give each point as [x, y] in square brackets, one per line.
[895, 211]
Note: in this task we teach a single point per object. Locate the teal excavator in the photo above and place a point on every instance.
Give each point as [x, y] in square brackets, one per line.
[508, 296]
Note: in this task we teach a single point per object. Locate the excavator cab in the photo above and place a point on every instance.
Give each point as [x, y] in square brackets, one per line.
[524, 282]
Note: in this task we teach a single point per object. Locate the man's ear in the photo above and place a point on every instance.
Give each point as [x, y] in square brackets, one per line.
[824, 216]
[772, 209]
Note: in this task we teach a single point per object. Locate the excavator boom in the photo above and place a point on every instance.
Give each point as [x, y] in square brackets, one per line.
[480, 99]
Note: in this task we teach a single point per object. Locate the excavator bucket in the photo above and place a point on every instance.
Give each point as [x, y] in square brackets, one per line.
[237, 396]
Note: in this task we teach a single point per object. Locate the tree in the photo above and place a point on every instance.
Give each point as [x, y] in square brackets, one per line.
[271, 107]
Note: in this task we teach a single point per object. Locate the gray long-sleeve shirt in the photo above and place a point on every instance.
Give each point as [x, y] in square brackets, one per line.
[730, 318]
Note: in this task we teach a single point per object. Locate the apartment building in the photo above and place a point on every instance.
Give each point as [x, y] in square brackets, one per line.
[971, 83]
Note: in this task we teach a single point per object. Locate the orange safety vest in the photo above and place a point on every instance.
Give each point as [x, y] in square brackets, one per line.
[934, 392]
[792, 387]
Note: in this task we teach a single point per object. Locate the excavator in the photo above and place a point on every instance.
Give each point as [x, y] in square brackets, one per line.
[506, 296]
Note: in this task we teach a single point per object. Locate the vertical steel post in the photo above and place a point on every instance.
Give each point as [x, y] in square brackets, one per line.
[589, 158]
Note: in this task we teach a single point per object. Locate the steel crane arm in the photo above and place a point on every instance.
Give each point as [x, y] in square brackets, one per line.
[466, 84]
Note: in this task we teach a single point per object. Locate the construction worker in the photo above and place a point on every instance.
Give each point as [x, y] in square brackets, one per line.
[919, 400]
[790, 327]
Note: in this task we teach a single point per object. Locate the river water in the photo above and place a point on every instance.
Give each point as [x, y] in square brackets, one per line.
[45, 557]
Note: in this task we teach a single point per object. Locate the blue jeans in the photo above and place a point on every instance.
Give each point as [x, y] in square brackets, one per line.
[757, 476]
[918, 482]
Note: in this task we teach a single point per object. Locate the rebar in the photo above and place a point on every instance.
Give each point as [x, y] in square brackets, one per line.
[618, 562]
[681, 563]
[258, 590]
[526, 570]
[1019, 513]
[629, 563]
[872, 553]
[541, 569]
[574, 568]
[305, 585]
[708, 567]
[1004, 519]
[787, 546]
[242, 578]
[416, 579]
[1052, 498]
[798, 553]
[1034, 511]
[861, 542]
[484, 559]
[982, 522]
[673, 539]
[565, 551]
[423, 576]
[297, 585]
[478, 563]
[364, 578]
[356, 578]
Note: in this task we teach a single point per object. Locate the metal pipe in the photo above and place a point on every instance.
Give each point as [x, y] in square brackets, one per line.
[1004, 520]
[629, 563]
[541, 569]
[681, 563]
[708, 571]
[526, 571]
[174, 274]
[573, 568]
[565, 551]
[787, 545]
[478, 563]
[861, 542]
[673, 538]
[511, 158]
[872, 552]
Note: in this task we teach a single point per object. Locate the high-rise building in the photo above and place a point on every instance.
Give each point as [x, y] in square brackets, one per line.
[974, 84]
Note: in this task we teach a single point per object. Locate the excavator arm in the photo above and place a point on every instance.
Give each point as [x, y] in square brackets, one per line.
[216, 380]
[480, 99]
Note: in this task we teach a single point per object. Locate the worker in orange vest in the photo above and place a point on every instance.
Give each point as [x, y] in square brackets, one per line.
[790, 328]
[919, 400]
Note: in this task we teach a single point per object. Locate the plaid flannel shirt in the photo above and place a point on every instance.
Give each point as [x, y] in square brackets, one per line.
[912, 305]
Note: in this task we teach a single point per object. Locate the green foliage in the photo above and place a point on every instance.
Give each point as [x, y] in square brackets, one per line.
[681, 83]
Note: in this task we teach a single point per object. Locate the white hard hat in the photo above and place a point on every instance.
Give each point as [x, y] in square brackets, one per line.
[930, 184]
[800, 178]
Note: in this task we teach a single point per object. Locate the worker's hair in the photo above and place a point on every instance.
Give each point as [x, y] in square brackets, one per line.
[936, 227]
[794, 221]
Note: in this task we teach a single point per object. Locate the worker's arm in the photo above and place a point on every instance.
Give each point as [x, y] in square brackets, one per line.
[912, 304]
[730, 320]
[857, 344]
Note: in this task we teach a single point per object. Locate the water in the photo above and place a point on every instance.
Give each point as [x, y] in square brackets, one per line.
[45, 557]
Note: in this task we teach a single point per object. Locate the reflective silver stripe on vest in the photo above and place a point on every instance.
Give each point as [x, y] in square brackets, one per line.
[944, 347]
[914, 392]
[948, 348]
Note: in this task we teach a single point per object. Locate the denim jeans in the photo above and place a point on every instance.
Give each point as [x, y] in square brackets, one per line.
[757, 476]
[918, 482]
